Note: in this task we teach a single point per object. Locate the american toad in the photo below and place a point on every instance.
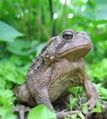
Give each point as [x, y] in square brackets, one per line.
[59, 65]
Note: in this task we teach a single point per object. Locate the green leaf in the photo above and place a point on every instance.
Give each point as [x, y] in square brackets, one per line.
[39, 48]
[8, 33]
[6, 113]
[81, 116]
[19, 47]
[2, 83]
[41, 112]
[74, 116]
[11, 73]
[75, 90]
[97, 108]
[23, 47]
[102, 91]
[73, 102]
[84, 108]
[99, 73]
[6, 104]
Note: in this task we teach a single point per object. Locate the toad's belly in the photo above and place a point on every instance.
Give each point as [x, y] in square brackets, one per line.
[58, 86]
[64, 75]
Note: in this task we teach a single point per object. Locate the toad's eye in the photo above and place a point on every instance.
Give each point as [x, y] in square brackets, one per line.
[67, 35]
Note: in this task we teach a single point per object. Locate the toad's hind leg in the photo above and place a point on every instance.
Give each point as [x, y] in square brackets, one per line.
[21, 109]
[23, 97]
[38, 85]
[41, 96]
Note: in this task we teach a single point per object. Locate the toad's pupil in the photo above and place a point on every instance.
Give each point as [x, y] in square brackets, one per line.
[68, 35]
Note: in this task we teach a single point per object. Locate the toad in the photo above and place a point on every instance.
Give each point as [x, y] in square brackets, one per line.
[59, 65]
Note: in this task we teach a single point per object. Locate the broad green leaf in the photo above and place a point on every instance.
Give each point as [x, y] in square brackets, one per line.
[23, 47]
[8, 33]
[41, 112]
[19, 47]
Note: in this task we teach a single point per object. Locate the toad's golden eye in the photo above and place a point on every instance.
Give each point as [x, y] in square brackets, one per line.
[67, 35]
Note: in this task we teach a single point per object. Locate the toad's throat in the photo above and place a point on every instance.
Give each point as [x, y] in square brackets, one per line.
[83, 49]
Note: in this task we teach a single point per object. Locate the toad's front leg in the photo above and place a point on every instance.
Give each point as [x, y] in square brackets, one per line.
[91, 93]
[90, 89]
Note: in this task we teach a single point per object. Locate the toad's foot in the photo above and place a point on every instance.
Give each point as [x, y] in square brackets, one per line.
[91, 103]
[21, 109]
[63, 114]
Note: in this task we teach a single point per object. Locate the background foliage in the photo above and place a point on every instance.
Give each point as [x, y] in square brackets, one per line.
[25, 26]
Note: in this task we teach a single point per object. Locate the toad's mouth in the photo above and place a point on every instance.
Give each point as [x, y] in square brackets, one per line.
[76, 52]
